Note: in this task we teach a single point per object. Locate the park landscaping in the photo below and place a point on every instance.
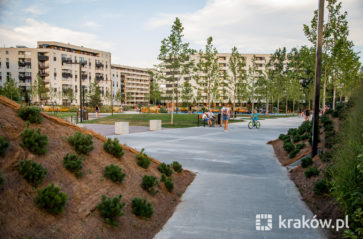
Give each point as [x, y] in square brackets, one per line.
[61, 181]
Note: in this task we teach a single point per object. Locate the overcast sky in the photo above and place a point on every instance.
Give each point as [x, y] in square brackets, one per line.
[133, 29]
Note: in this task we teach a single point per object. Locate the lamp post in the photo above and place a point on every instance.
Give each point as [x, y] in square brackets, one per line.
[319, 43]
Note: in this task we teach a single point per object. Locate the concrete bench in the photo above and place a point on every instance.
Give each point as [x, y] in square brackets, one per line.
[155, 125]
[121, 127]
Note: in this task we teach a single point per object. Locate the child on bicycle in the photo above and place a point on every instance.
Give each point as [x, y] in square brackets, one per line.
[254, 117]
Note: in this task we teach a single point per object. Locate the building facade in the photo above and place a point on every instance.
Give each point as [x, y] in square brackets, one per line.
[223, 61]
[59, 65]
[132, 82]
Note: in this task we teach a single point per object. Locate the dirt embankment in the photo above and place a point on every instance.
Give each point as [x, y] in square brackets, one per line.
[20, 217]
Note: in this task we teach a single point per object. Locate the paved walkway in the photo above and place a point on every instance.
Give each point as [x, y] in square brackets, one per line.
[109, 129]
[238, 177]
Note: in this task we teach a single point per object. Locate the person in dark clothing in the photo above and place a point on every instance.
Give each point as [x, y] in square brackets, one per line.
[307, 114]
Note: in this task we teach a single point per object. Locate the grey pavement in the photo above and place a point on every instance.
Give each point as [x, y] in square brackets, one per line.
[108, 129]
[238, 176]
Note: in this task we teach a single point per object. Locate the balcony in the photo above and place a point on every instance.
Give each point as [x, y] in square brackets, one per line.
[66, 61]
[24, 78]
[43, 74]
[99, 77]
[83, 63]
[99, 65]
[43, 58]
[21, 63]
[66, 75]
[84, 76]
[43, 66]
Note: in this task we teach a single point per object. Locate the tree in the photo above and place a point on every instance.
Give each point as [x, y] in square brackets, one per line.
[108, 96]
[265, 85]
[128, 97]
[94, 94]
[155, 93]
[207, 71]
[119, 97]
[254, 74]
[236, 66]
[187, 93]
[69, 94]
[175, 57]
[11, 89]
[38, 89]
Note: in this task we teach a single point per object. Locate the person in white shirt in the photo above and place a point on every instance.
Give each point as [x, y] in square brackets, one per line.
[226, 114]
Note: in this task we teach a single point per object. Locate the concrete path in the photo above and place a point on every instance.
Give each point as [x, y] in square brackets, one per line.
[109, 129]
[238, 177]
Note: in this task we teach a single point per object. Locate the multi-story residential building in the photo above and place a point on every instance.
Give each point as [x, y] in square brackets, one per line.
[133, 82]
[59, 65]
[223, 60]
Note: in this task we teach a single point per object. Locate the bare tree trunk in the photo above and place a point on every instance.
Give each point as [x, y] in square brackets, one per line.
[293, 105]
[341, 96]
[287, 103]
[334, 94]
[324, 89]
[278, 104]
[267, 105]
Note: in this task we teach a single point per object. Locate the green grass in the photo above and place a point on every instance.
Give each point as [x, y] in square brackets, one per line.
[180, 120]
[62, 114]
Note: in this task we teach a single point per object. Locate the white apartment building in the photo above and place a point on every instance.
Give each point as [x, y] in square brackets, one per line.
[133, 82]
[223, 60]
[58, 65]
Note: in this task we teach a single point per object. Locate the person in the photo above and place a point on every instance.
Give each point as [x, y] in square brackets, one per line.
[219, 121]
[205, 117]
[211, 118]
[226, 114]
[97, 111]
[325, 108]
[307, 114]
[254, 117]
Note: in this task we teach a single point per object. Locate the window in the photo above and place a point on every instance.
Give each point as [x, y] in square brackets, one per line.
[7, 52]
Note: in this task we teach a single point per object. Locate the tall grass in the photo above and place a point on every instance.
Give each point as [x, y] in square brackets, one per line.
[347, 168]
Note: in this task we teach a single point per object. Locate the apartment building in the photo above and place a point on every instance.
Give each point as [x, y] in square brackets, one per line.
[223, 61]
[59, 65]
[132, 82]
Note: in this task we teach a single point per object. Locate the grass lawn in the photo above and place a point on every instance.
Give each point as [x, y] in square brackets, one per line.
[62, 114]
[180, 120]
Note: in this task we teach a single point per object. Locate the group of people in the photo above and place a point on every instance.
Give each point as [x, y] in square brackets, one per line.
[308, 114]
[221, 119]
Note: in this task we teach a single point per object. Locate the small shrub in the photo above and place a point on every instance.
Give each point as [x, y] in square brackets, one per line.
[288, 147]
[305, 136]
[177, 166]
[148, 183]
[73, 163]
[168, 184]
[165, 168]
[305, 127]
[283, 137]
[311, 171]
[3, 146]
[142, 208]
[34, 141]
[292, 132]
[329, 134]
[51, 199]
[32, 172]
[143, 160]
[324, 119]
[321, 187]
[328, 128]
[81, 143]
[329, 111]
[306, 162]
[113, 147]
[296, 138]
[110, 209]
[2, 180]
[335, 114]
[300, 146]
[294, 153]
[31, 114]
[325, 156]
[114, 173]
[329, 142]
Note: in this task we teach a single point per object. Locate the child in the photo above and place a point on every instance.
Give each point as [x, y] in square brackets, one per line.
[254, 117]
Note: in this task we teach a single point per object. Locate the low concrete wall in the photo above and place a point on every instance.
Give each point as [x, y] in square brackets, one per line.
[155, 125]
[121, 127]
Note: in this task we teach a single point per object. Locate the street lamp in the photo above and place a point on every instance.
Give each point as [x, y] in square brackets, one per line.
[319, 43]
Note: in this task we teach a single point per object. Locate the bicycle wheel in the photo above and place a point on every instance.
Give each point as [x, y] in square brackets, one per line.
[258, 124]
[250, 125]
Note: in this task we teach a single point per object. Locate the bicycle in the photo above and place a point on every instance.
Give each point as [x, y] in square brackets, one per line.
[257, 124]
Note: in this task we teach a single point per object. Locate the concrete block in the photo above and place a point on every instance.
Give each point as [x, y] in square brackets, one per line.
[121, 127]
[155, 124]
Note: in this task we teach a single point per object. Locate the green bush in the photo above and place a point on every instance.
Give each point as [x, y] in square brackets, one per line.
[284, 137]
[300, 146]
[51, 199]
[73, 163]
[142, 208]
[324, 119]
[2, 180]
[168, 182]
[34, 141]
[113, 147]
[292, 132]
[306, 162]
[325, 156]
[31, 114]
[296, 138]
[329, 111]
[163, 110]
[329, 142]
[148, 183]
[329, 128]
[110, 209]
[294, 153]
[165, 169]
[288, 147]
[114, 173]
[305, 127]
[305, 136]
[3, 146]
[32, 172]
[81, 143]
[143, 160]
[321, 187]
[177, 166]
[311, 171]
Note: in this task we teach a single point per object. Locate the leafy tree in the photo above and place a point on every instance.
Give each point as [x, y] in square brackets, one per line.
[68, 92]
[128, 97]
[94, 94]
[119, 97]
[254, 74]
[10, 89]
[264, 85]
[175, 57]
[108, 96]
[187, 93]
[38, 89]
[155, 92]
[208, 72]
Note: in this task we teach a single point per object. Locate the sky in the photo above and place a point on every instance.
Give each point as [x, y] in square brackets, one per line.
[132, 30]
